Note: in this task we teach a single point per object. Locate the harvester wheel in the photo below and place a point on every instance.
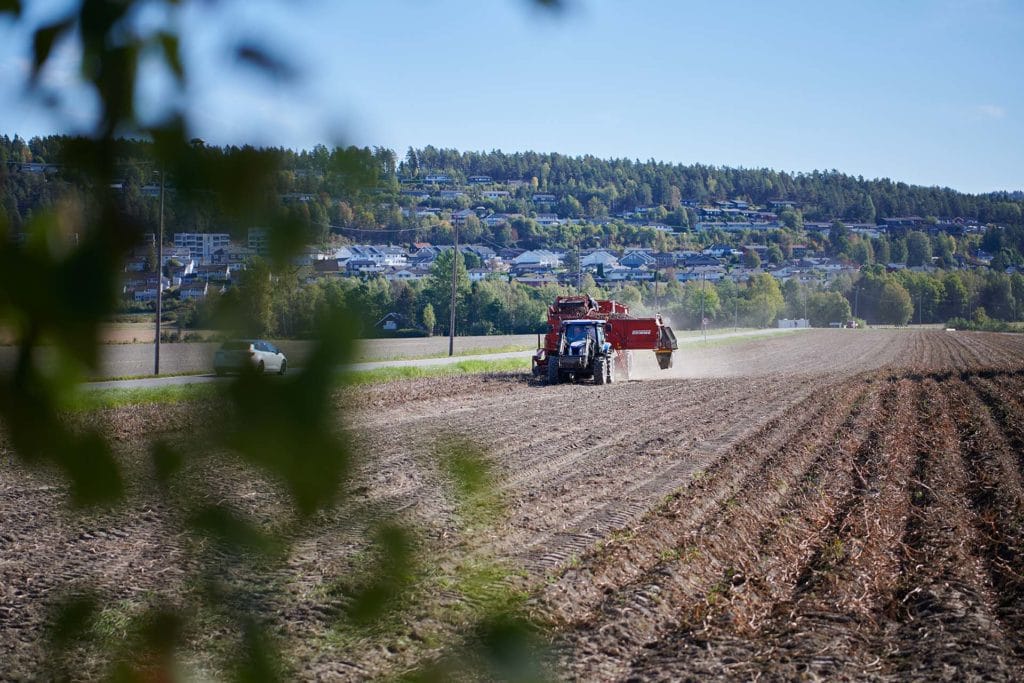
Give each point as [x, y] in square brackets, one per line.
[552, 370]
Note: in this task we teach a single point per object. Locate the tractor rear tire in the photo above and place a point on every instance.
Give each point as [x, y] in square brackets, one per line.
[552, 370]
[601, 370]
[610, 365]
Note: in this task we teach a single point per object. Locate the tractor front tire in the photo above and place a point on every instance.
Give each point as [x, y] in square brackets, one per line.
[601, 370]
[552, 370]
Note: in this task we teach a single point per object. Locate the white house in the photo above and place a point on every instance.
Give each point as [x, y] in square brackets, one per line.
[195, 290]
[538, 258]
[600, 258]
[402, 275]
[548, 219]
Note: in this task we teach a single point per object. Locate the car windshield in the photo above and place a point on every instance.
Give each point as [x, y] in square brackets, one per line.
[236, 346]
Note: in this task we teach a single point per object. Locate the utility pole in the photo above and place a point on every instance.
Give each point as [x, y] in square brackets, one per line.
[856, 303]
[579, 270]
[703, 327]
[159, 278]
[736, 313]
[455, 279]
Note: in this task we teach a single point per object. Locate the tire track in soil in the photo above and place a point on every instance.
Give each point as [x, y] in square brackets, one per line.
[116, 555]
[641, 593]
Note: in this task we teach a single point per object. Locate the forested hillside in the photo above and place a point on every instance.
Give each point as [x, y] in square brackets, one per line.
[361, 188]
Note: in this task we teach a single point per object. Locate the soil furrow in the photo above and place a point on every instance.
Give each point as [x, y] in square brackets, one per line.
[698, 563]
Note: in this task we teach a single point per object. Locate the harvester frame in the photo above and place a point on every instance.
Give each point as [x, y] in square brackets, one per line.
[623, 332]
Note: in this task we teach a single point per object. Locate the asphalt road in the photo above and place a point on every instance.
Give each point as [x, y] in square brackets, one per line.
[295, 353]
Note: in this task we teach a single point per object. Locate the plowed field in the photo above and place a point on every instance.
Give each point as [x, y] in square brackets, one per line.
[832, 504]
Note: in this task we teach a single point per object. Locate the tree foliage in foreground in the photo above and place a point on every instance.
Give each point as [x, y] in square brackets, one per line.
[56, 291]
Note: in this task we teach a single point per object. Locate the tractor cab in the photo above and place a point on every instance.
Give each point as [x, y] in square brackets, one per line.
[583, 351]
[581, 337]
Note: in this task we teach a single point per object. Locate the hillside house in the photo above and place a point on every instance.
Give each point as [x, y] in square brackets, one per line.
[500, 218]
[637, 259]
[536, 259]
[213, 273]
[405, 274]
[537, 280]
[459, 217]
[599, 259]
[391, 322]
[620, 274]
[194, 290]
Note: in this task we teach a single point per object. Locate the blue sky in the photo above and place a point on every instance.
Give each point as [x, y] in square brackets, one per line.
[929, 92]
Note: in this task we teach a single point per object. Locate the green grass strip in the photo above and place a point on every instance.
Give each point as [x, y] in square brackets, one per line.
[98, 399]
[466, 367]
[369, 356]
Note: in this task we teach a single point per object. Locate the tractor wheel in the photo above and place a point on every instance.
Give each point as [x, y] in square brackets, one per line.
[611, 370]
[552, 370]
[601, 370]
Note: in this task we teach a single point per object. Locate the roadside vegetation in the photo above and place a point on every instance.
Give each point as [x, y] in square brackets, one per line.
[467, 367]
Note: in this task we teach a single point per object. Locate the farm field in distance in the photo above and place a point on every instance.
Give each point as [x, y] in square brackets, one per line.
[839, 504]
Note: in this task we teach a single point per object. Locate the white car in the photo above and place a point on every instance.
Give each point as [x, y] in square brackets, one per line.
[238, 354]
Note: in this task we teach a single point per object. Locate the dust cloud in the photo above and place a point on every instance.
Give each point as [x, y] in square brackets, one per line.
[688, 362]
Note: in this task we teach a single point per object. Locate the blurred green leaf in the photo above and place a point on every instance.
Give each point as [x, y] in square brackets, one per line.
[466, 464]
[161, 629]
[259, 58]
[72, 619]
[287, 425]
[43, 41]
[464, 461]
[287, 236]
[511, 649]
[389, 578]
[258, 660]
[95, 476]
[167, 461]
[115, 79]
[233, 531]
[172, 55]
